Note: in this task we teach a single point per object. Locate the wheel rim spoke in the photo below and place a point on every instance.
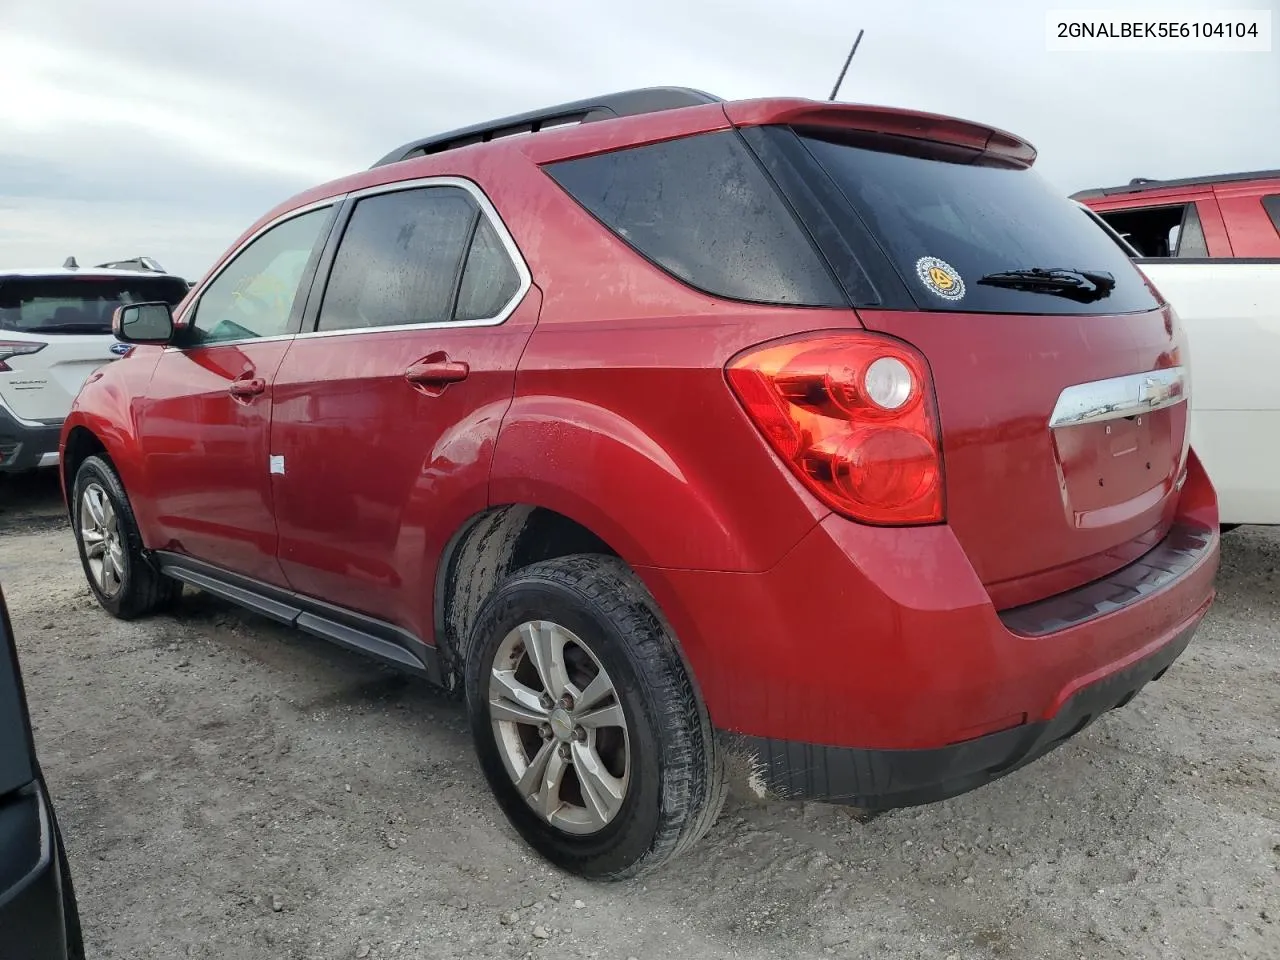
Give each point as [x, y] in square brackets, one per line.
[610, 716]
[545, 643]
[601, 789]
[599, 688]
[94, 548]
[93, 500]
[509, 699]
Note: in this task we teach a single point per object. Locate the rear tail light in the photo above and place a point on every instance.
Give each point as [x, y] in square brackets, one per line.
[853, 417]
[17, 348]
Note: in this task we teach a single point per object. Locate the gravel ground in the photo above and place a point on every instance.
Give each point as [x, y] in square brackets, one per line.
[232, 789]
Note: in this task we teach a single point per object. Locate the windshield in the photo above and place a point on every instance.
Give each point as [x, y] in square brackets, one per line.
[947, 225]
[77, 304]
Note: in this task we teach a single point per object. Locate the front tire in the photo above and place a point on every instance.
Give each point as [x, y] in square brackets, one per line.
[111, 550]
[586, 721]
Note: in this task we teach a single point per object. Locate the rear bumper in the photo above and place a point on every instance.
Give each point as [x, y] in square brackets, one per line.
[887, 779]
[871, 666]
[24, 445]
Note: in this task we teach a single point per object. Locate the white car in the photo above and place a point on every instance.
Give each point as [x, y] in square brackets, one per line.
[1211, 246]
[55, 330]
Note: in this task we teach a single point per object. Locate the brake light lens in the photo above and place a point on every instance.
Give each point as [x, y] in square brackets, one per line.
[17, 348]
[853, 417]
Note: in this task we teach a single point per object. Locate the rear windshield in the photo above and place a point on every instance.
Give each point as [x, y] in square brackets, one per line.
[77, 304]
[945, 224]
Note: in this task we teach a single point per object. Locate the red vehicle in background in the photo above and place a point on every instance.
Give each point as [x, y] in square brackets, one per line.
[820, 445]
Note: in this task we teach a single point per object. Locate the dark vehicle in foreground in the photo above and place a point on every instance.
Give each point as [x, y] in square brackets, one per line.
[39, 919]
[820, 445]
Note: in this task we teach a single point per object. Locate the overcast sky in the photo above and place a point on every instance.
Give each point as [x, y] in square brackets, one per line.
[131, 127]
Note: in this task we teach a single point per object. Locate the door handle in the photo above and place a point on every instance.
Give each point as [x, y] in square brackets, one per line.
[437, 370]
[247, 388]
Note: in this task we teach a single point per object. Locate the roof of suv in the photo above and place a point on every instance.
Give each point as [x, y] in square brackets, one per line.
[650, 100]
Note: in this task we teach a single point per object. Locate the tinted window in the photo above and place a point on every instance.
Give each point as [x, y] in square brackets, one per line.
[702, 209]
[81, 304]
[941, 217]
[254, 295]
[1272, 205]
[399, 259]
[489, 279]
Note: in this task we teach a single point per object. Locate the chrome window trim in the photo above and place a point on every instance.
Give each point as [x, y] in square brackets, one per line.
[1119, 397]
[487, 210]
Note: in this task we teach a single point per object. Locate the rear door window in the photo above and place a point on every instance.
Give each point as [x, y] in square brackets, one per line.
[400, 260]
[78, 304]
[702, 209]
[1162, 232]
[950, 224]
[1272, 205]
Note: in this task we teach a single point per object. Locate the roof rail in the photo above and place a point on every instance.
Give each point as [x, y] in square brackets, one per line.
[627, 103]
[1143, 184]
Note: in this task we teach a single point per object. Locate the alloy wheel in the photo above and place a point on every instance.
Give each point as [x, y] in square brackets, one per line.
[104, 547]
[560, 727]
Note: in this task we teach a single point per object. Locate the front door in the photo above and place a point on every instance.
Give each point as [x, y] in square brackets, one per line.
[386, 414]
[205, 423]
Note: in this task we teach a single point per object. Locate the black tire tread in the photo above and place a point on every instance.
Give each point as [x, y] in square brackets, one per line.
[148, 590]
[693, 783]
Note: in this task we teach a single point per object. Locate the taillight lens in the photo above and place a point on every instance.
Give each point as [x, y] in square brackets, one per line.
[17, 348]
[853, 416]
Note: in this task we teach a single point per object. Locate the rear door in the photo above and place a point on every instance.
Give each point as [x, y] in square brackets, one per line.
[205, 421]
[387, 411]
[67, 318]
[1063, 434]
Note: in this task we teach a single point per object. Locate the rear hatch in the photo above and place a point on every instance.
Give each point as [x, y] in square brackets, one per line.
[1058, 373]
[58, 331]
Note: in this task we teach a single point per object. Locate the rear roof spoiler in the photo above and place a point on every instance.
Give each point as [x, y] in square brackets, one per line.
[888, 120]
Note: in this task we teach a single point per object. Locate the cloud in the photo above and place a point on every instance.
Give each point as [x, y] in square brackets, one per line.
[129, 128]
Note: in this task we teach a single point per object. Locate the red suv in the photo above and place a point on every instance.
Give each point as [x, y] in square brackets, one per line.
[821, 446]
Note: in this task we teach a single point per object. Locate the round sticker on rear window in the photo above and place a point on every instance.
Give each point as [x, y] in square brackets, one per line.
[940, 277]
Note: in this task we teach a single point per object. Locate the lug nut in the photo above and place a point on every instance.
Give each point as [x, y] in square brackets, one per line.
[547, 702]
[566, 702]
[579, 733]
[545, 730]
[564, 751]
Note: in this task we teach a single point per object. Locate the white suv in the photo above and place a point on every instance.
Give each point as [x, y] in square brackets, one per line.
[55, 330]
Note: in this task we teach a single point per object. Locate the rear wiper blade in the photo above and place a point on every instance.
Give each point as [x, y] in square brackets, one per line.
[1084, 286]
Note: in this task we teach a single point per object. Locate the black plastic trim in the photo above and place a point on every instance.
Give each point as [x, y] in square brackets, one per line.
[889, 779]
[1147, 186]
[627, 103]
[356, 631]
[31, 442]
[1181, 549]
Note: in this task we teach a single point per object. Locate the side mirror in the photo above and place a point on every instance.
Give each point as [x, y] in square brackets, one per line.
[143, 323]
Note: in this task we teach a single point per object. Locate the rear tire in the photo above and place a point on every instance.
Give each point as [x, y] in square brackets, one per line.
[660, 784]
[110, 544]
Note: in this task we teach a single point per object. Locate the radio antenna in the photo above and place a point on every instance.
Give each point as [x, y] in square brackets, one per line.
[845, 68]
